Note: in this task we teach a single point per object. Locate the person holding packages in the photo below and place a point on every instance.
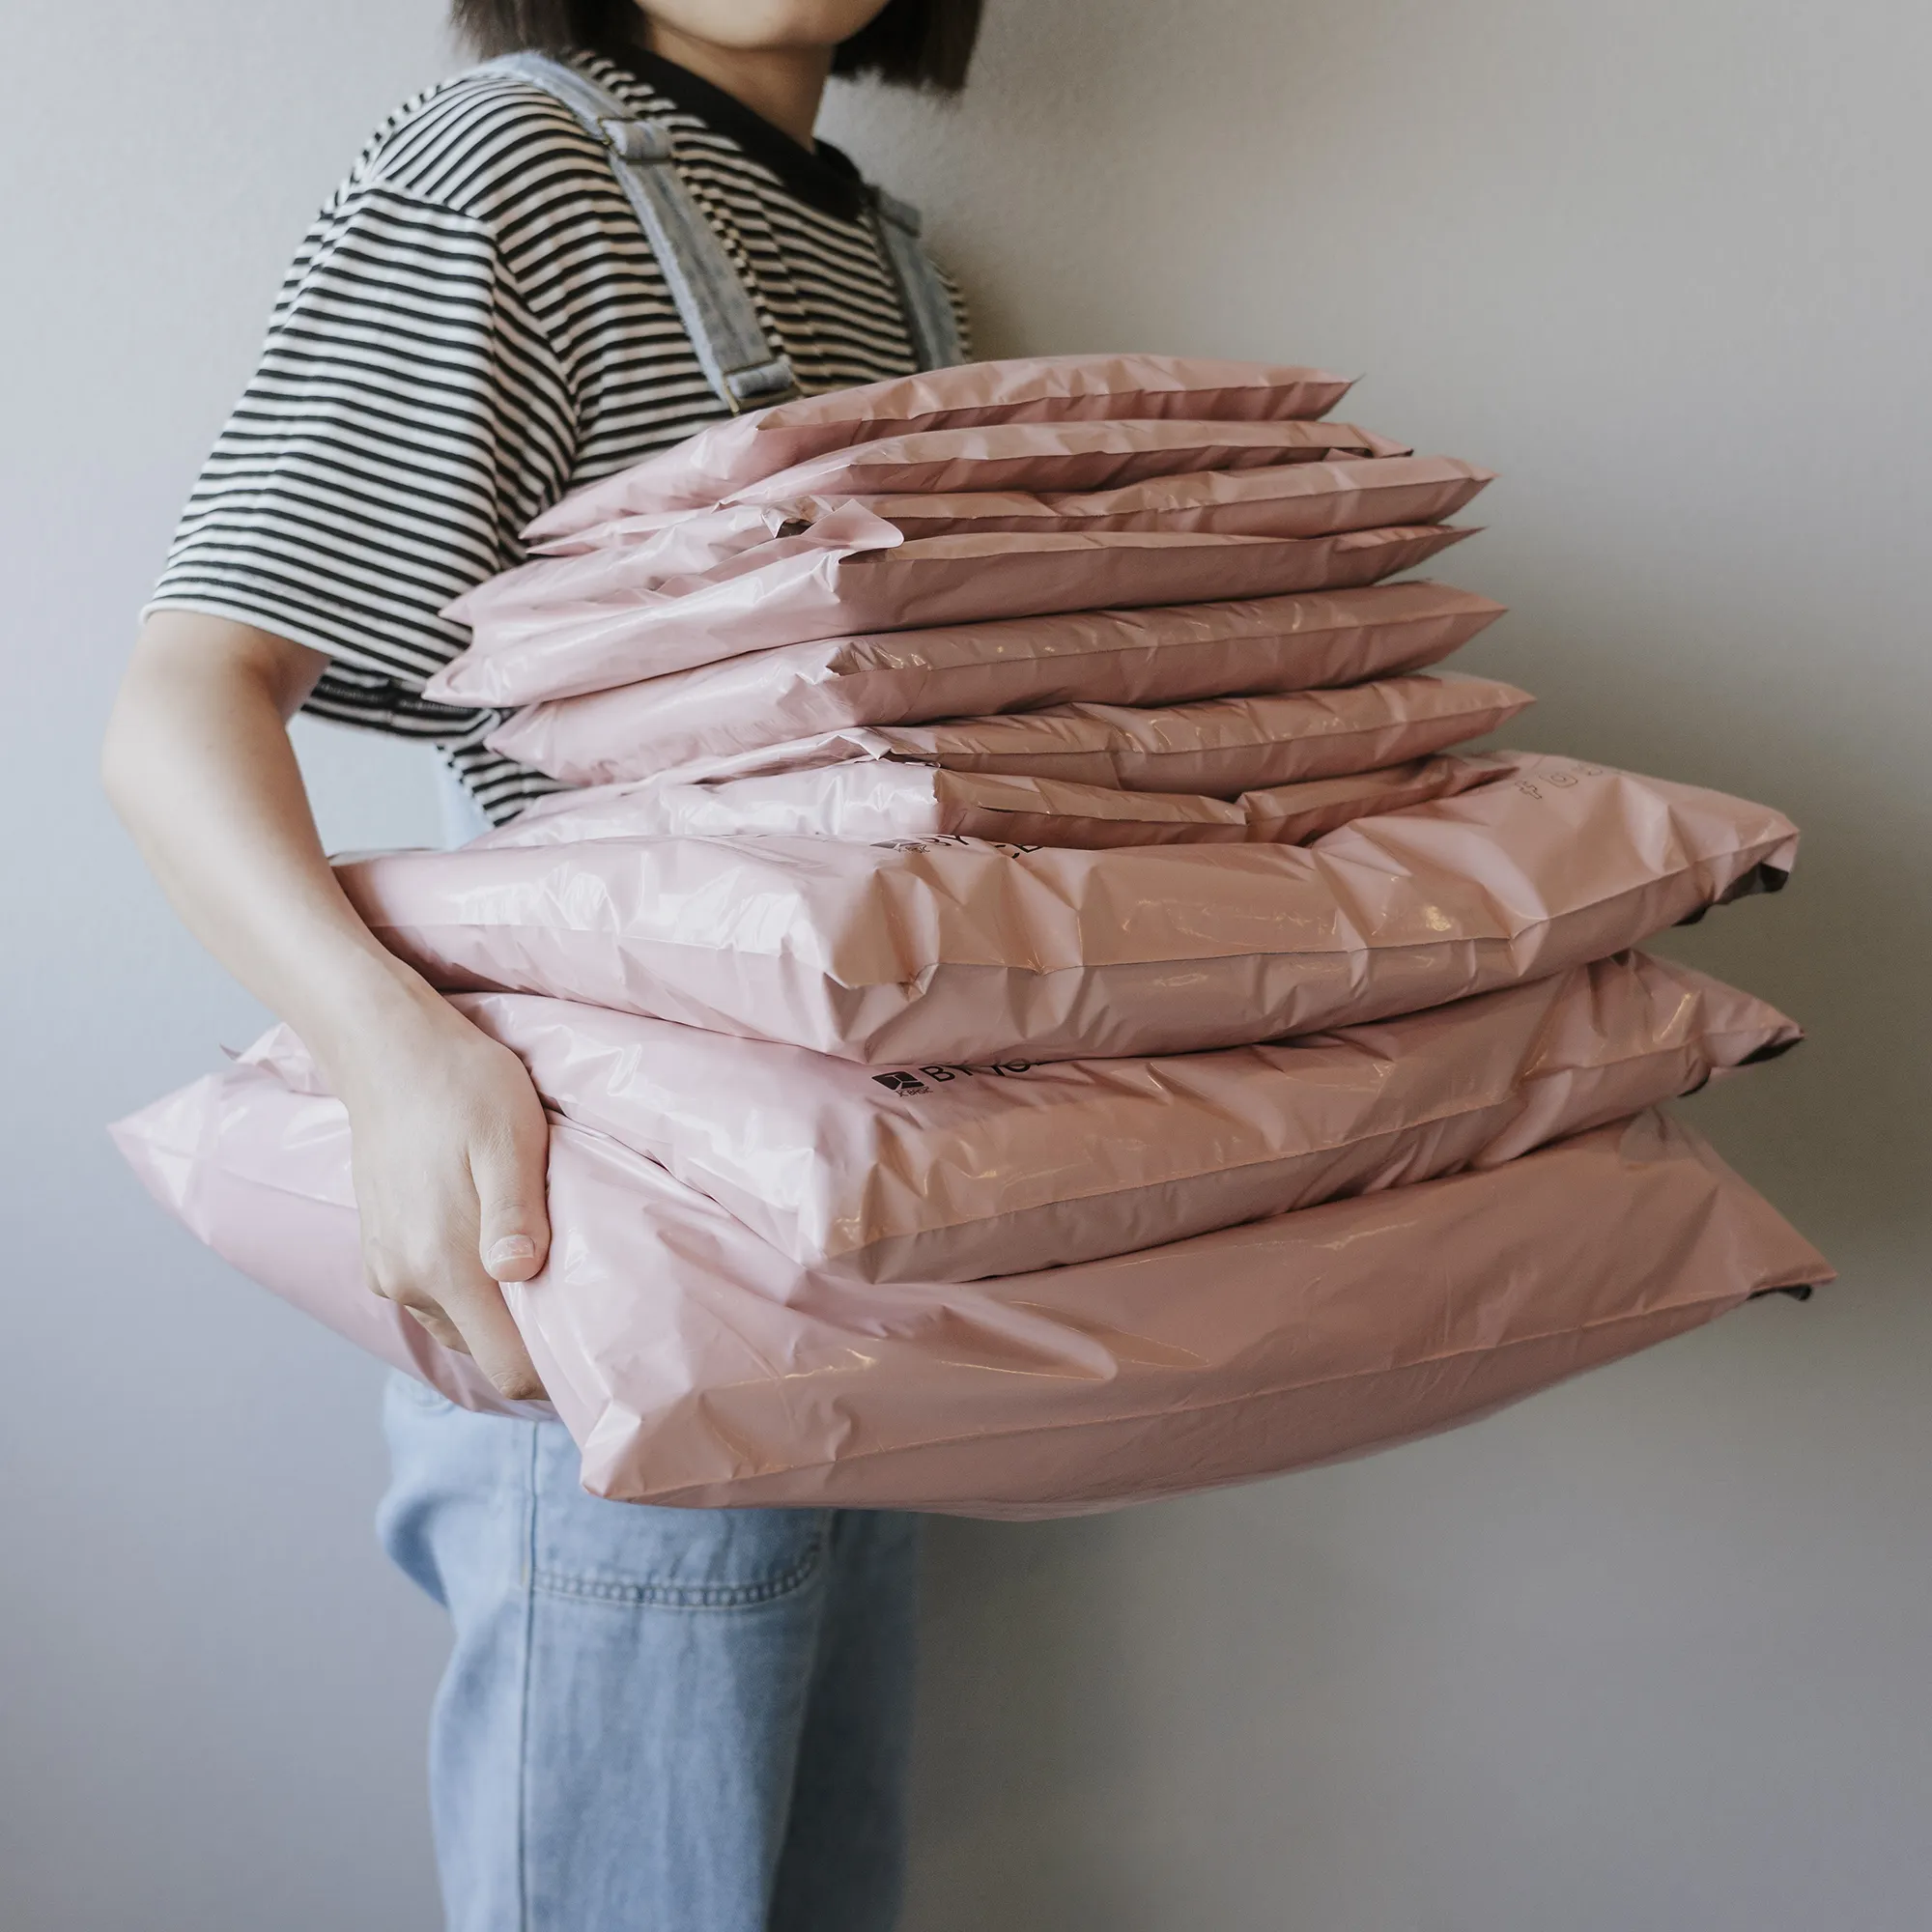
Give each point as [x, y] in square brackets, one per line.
[673, 1718]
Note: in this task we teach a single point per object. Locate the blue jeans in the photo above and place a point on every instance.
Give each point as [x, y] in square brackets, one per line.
[654, 1719]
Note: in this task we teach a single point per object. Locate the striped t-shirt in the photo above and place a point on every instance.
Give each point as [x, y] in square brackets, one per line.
[475, 324]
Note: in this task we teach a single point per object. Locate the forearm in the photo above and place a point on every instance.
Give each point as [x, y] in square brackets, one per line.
[199, 766]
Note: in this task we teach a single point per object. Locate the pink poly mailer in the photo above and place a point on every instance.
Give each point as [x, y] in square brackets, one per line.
[875, 800]
[1275, 1346]
[522, 652]
[1298, 500]
[937, 951]
[258, 1170]
[1170, 655]
[1062, 456]
[1219, 748]
[950, 1173]
[686, 541]
[695, 552]
[1041, 388]
[695, 1364]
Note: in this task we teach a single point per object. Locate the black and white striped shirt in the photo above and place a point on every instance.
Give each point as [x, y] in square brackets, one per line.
[473, 325]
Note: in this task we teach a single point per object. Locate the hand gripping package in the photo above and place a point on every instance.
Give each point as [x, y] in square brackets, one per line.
[1037, 1013]
[696, 1364]
[940, 1172]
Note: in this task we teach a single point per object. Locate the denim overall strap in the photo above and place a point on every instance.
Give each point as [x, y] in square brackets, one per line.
[929, 304]
[712, 299]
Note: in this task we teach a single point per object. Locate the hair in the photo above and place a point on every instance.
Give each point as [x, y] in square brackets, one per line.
[922, 44]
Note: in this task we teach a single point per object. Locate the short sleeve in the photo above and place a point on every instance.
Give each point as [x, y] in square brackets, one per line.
[406, 419]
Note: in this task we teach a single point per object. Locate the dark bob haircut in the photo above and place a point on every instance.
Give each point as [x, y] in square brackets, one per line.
[925, 43]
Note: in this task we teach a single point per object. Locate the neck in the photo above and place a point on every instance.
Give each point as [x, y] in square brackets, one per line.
[781, 85]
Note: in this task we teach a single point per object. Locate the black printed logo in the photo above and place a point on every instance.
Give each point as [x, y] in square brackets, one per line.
[929, 1077]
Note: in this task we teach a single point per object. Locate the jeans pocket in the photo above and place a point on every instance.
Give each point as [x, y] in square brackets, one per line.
[637, 1553]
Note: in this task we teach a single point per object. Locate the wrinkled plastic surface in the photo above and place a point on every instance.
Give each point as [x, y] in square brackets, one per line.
[522, 652]
[695, 1364]
[260, 1172]
[937, 951]
[684, 541]
[1170, 655]
[950, 1173]
[1219, 749]
[1041, 389]
[874, 801]
[1061, 456]
[1298, 500]
[693, 551]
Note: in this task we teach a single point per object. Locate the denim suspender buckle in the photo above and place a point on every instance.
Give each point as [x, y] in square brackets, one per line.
[705, 287]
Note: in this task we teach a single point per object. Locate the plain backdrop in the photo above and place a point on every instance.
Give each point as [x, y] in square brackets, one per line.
[1647, 1653]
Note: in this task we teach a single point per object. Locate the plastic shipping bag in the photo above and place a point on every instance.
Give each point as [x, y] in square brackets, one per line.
[525, 650]
[941, 952]
[727, 455]
[951, 1172]
[875, 801]
[1170, 655]
[695, 1364]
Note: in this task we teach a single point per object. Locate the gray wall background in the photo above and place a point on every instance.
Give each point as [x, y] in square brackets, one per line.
[1649, 1652]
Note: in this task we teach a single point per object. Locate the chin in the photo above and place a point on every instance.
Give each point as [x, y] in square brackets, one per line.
[750, 25]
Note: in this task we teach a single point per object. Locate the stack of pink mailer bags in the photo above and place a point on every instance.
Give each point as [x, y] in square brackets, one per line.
[1038, 1011]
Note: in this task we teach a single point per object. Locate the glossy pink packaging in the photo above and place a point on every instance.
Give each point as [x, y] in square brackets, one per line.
[695, 1364]
[1062, 456]
[1041, 389]
[694, 550]
[261, 1174]
[942, 951]
[874, 801]
[525, 649]
[1169, 655]
[950, 1173]
[1288, 500]
[1219, 748]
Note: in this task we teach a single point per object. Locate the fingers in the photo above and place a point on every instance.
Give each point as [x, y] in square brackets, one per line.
[453, 1300]
[438, 1327]
[508, 1167]
[468, 1316]
[449, 1182]
[476, 1311]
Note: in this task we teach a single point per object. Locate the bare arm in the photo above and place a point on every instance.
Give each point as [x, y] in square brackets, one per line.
[449, 1137]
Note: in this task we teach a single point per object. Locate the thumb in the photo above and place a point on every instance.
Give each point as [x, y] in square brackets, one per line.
[513, 1225]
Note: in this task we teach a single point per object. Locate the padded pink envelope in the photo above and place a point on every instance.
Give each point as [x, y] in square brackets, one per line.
[939, 951]
[695, 1364]
[1299, 500]
[1059, 456]
[949, 1173]
[1171, 655]
[875, 801]
[1036, 389]
[1220, 748]
[524, 650]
